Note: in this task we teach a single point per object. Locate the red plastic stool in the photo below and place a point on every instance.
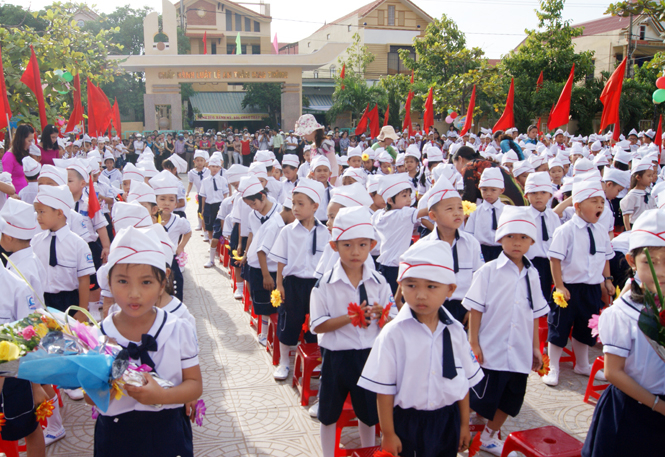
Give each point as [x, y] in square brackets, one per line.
[272, 343]
[542, 333]
[592, 390]
[348, 419]
[9, 448]
[255, 321]
[547, 441]
[246, 298]
[233, 279]
[57, 392]
[225, 256]
[570, 357]
[308, 357]
[362, 452]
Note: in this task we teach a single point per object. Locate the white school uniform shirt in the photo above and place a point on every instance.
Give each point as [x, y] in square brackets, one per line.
[567, 214]
[570, 244]
[394, 229]
[92, 224]
[104, 190]
[182, 192]
[322, 211]
[17, 298]
[207, 189]
[622, 337]
[606, 219]
[293, 248]
[330, 257]
[633, 203]
[275, 189]
[32, 269]
[377, 249]
[469, 257]
[74, 259]
[499, 291]
[331, 297]
[303, 169]
[115, 177]
[287, 189]
[264, 235]
[177, 349]
[196, 177]
[224, 211]
[175, 307]
[228, 217]
[29, 192]
[480, 222]
[540, 248]
[176, 227]
[415, 378]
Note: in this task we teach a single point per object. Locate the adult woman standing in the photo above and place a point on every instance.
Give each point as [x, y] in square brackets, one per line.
[344, 143]
[312, 132]
[12, 161]
[49, 145]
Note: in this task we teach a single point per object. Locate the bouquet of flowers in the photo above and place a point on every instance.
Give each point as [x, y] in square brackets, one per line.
[21, 337]
[652, 317]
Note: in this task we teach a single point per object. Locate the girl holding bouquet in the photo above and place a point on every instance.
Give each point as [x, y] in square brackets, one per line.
[630, 415]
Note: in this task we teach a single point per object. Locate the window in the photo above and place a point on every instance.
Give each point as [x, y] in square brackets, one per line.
[332, 71]
[256, 49]
[643, 32]
[257, 26]
[316, 74]
[248, 25]
[391, 14]
[328, 37]
[349, 28]
[381, 18]
[214, 48]
[229, 21]
[230, 48]
[395, 64]
[238, 23]
[243, 48]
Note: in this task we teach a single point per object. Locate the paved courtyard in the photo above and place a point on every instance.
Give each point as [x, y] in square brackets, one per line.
[249, 414]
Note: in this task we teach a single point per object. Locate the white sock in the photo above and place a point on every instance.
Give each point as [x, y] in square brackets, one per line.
[328, 440]
[284, 359]
[213, 251]
[554, 352]
[367, 434]
[264, 325]
[240, 285]
[55, 421]
[581, 351]
[200, 226]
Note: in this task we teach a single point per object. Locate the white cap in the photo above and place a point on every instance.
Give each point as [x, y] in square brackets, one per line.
[583, 165]
[632, 132]
[353, 152]
[522, 167]
[518, 220]
[352, 223]
[131, 172]
[392, 185]
[288, 202]
[413, 151]
[319, 161]
[313, 189]
[370, 153]
[491, 177]
[538, 182]
[448, 171]
[235, 172]
[384, 156]
[648, 230]
[617, 176]
[214, 162]
[373, 182]
[291, 160]
[179, 163]
[133, 246]
[596, 146]
[80, 167]
[576, 148]
[276, 164]
[441, 190]
[18, 219]
[352, 195]
[601, 160]
[158, 233]
[249, 185]
[130, 215]
[58, 175]
[554, 162]
[399, 160]
[35, 151]
[434, 154]
[264, 157]
[164, 183]
[108, 156]
[563, 157]
[258, 169]
[584, 190]
[567, 184]
[56, 197]
[30, 166]
[202, 154]
[660, 199]
[148, 168]
[428, 259]
[356, 173]
[623, 157]
[509, 157]
[641, 165]
[141, 192]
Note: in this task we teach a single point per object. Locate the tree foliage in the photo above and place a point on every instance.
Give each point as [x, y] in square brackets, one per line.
[635, 7]
[265, 96]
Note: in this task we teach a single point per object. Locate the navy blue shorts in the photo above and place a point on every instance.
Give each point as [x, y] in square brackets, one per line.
[178, 280]
[109, 227]
[391, 274]
[217, 229]
[62, 300]
[456, 309]
[619, 269]
[200, 203]
[504, 390]
[293, 310]
[18, 406]
[428, 433]
[542, 264]
[96, 251]
[585, 300]
[210, 211]
[340, 372]
[142, 433]
[621, 426]
[490, 252]
[260, 296]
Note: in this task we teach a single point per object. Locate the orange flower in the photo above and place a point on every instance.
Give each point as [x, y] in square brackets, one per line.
[475, 445]
[116, 391]
[44, 411]
[2, 421]
[305, 325]
[50, 323]
[382, 453]
[357, 315]
[546, 366]
[384, 315]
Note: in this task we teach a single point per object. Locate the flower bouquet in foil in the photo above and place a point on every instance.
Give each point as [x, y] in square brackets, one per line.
[21, 337]
[652, 317]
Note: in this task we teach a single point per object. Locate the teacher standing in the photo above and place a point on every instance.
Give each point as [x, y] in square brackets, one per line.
[12, 161]
[49, 145]
[312, 132]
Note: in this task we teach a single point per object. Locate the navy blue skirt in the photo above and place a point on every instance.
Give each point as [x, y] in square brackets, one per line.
[621, 427]
[585, 300]
[166, 433]
[428, 433]
[260, 296]
[18, 406]
[542, 265]
[294, 310]
[391, 274]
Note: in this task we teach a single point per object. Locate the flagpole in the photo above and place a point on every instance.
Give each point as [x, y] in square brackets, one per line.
[9, 129]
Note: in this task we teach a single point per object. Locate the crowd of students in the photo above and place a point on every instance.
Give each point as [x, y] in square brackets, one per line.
[425, 303]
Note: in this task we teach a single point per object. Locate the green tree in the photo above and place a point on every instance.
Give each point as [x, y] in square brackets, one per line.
[13, 16]
[655, 9]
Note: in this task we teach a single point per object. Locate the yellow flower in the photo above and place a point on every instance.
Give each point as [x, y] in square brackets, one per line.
[51, 323]
[8, 351]
[275, 298]
[468, 207]
[559, 300]
[618, 293]
[236, 256]
[116, 391]
[390, 170]
[41, 330]
[44, 410]
[365, 157]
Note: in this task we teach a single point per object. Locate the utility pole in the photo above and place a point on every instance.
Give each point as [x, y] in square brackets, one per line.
[630, 45]
[182, 15]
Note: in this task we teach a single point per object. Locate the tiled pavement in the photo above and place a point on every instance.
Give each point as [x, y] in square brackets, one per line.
[249, 414]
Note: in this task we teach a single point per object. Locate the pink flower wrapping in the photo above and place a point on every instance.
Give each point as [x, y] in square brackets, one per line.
[28, 332]
[200, 411]
[593, 325]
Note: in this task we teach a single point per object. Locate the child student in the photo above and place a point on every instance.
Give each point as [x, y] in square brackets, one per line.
[434, 157]
[505, 303]
[212, 191]
[629, 416]
[417, 421]
[59, 250]
[262, 236]
[165, 186]
[297, 251]
[133, 425]
[412, 164]
[400, 167]
[483, 222]
[368, 157]
[290, 163]
[385, 161]
[171, 164]
[274, 187]
[142, 193]
[303, 170]
[638, 199]
[113, 174]
[521, 171]
[195, 176]
[31, 169]
[345, 347]
[579, 258]
[538, 190]
[230, 226]
[131, 173]
[321, 172]
[354, 157]
[445, 209]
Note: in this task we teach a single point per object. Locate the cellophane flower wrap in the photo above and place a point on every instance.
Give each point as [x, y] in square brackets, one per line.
[652, 317]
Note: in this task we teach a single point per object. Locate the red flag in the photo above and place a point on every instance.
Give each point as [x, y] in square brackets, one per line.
[617, 130]
[469, 113]
[5, 111]
[507, 119]
[561, 113]
[33, 80]
[411, 76]
[611, 96]
[116, 118]
[658, 140]
[539, 83]
[205, 42]
[93, 200]
[362, 123]
[99, 110]
[342, 74]
[77, 113]
[428, 116]
[385, 119]
[538, 127]
[407, 114]
[373, 117]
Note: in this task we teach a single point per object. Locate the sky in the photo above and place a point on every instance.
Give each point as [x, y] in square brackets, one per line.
[496, 26]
